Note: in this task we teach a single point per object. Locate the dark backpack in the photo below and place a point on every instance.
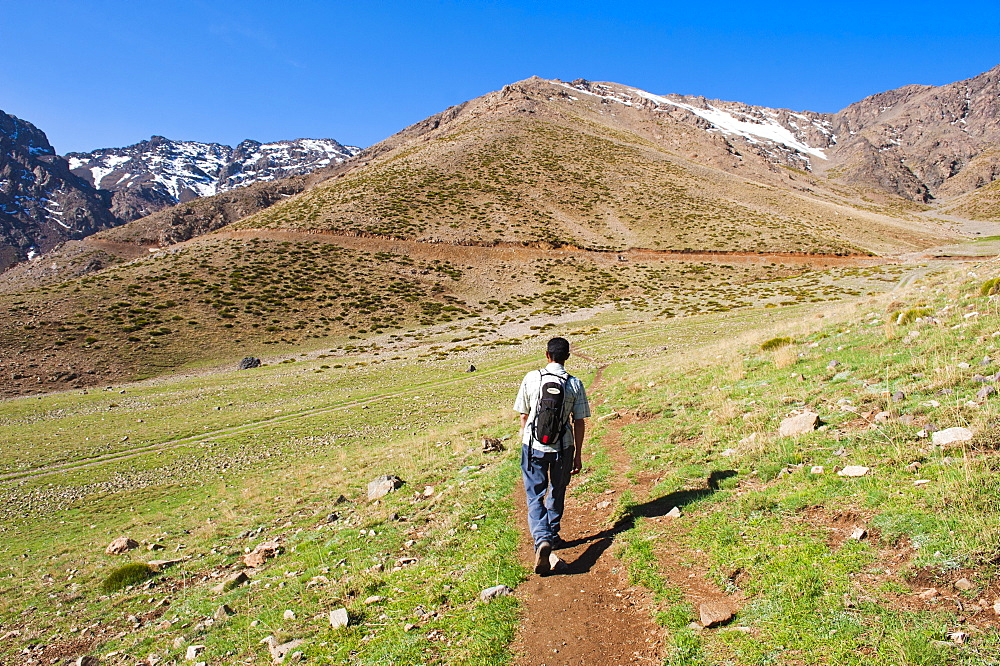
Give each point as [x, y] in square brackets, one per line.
[550, 423]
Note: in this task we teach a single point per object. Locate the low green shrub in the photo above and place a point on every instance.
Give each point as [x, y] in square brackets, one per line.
[990, 287]
[775, 343]
[125, 575]
[909, 316]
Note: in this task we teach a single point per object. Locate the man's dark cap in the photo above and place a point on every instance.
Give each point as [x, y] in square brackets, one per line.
[558, 347]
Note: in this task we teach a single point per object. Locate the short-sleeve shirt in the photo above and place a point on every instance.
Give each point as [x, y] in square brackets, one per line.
[574, 404]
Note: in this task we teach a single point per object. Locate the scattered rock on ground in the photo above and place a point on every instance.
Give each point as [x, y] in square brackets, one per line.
[262, 553]
[816, 469]
[950, 436]
[235, 580]
[383, 485]
[859, 533]
[964, 584]
[87, 660]
[193, 651]
[715, 612]
[798, 425]
[122, 544]
[674, 513]
[898, 396]
[985, 392]
[854, 470]
[339, 618]
[279, 652]
[494, 592]
[222, 613]
[556, 565]
[248, 363]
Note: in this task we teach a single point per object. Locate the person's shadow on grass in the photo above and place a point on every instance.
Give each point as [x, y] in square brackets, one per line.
[653, 508]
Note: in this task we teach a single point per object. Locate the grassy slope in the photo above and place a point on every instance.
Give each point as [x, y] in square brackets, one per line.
[221, 298]
[776, 534]
[568, 176]
[766, 534]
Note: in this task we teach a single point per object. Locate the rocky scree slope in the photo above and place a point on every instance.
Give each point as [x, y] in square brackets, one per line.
[921, 142]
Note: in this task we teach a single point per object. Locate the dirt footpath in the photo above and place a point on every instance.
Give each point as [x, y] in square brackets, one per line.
[587, 613]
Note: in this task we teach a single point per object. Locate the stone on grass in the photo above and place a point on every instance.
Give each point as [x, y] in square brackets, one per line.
[233, 581]
[898, 396]
[674, 512]
[491, 593]
[928, 594]
[383, 485]
[248, 363]
[262, 553]
[854, 470]
[964, 584]
[374, 599]
[279, 652]
[799, 425]
[817, 469]
[87, 660]
[288, 615]
[222, 613]
[859, 533]
[950, 436]
[193, 651]
[162, 565]
[715, 612]
[122, 544]
[339, 618]
[985, 392]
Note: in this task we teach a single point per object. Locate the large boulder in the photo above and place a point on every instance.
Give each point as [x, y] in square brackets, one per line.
[248, 363]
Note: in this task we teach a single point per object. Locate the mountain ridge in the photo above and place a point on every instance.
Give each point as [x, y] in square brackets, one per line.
[47, 199]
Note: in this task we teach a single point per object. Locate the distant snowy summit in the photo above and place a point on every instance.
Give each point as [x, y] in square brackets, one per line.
[150, 175]
[46, 199]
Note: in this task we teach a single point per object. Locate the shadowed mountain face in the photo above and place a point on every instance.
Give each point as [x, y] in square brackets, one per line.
[41, 202]
[46, 199]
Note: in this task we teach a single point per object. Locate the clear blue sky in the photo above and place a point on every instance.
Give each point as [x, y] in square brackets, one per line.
[102, 73]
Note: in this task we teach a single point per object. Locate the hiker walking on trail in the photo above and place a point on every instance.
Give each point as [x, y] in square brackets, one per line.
[553, 405]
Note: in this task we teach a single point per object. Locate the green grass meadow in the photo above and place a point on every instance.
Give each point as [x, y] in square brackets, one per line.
[201, 468]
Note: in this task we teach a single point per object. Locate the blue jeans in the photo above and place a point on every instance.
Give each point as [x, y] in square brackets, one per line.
[546, 476]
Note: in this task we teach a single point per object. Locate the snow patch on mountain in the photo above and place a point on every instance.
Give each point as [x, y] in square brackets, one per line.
[185, 170]
[759, 123]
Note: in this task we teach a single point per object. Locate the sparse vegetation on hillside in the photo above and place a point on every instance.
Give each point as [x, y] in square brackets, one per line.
[538, 181]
